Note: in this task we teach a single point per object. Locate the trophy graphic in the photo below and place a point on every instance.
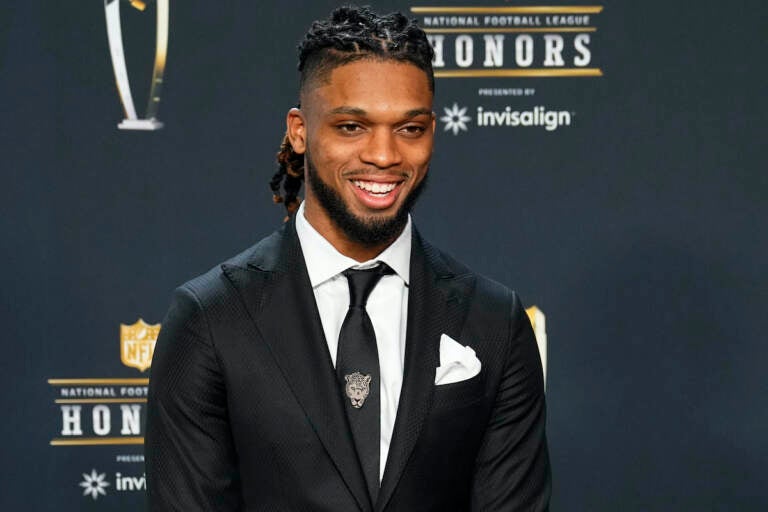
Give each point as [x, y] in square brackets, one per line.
[115, 36]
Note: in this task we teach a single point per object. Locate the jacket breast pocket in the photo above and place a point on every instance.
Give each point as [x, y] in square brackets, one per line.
[459, 394]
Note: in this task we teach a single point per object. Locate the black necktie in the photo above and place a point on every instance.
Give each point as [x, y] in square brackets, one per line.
[357, 367]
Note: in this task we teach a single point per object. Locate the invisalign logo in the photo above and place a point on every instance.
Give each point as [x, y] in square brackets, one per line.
[550, 120]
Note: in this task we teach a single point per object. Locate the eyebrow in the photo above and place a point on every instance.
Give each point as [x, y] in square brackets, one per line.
[355, 111]
[418, 112]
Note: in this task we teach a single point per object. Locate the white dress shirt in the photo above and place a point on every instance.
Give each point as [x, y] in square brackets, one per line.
[387, 307]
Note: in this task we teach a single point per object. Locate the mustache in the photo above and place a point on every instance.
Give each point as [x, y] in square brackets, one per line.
[375, 172]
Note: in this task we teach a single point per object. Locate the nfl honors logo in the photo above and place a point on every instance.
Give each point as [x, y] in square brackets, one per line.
[108, 411]
[137, 344]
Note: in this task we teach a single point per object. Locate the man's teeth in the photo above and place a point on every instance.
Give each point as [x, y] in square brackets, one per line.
[374, 187]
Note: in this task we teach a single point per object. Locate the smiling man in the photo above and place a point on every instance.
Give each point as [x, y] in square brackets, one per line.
[343, 363]
[366, 130]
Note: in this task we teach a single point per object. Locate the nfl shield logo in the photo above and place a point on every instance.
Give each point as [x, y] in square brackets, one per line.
[137, 344]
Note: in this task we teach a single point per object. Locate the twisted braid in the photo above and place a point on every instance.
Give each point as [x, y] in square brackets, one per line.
[289, 175]
[355, 33]
[349, 34]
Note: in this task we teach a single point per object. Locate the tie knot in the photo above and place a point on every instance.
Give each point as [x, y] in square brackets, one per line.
[363, 281]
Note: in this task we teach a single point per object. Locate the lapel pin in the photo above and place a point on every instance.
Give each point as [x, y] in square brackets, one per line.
[358, 387]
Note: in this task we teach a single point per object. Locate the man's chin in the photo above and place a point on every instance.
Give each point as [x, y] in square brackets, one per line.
[372, 229]
[368, 217]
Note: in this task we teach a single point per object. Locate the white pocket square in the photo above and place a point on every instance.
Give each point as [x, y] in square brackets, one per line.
[457, 362]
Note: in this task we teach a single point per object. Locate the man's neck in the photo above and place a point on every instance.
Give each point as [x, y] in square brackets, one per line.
[322, 223]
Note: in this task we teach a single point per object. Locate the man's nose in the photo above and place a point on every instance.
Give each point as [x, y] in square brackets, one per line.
[381, 150]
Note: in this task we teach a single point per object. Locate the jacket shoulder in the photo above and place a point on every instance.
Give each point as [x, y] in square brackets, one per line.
[214, 285]
[485, 288]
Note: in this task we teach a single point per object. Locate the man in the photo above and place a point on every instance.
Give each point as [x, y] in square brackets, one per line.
[343, 363]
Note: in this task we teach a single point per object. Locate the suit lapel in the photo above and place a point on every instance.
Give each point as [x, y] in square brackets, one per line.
[437, 304]
[277, 292]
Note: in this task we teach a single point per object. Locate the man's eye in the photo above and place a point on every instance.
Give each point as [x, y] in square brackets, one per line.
[413, 129]
[349, 127]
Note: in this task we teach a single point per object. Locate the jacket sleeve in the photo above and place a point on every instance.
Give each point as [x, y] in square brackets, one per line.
[512, 470]
[190, 458]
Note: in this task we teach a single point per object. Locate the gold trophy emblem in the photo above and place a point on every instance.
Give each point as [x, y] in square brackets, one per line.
[115, 37]
[539, 324]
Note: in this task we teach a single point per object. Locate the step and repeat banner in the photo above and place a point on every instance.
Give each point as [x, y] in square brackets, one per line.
[605, 160]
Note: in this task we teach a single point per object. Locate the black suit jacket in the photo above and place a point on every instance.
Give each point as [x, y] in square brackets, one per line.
[245, 412]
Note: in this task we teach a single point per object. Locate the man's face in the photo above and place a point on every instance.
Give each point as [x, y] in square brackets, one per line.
[367, 134]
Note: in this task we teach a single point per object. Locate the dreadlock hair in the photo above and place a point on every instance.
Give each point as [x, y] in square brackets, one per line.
[290, 174]
[349, 34]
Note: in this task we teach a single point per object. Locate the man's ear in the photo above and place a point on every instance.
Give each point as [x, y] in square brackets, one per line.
[296, 130]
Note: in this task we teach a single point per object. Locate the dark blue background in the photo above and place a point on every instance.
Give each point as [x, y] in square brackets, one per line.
[639, 231]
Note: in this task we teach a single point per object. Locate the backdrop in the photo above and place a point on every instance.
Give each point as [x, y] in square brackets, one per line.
[606, 161]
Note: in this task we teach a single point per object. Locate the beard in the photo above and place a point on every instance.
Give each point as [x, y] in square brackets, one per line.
[363, 230]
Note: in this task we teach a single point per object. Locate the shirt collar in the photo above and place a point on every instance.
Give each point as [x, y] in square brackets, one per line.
[324, 261]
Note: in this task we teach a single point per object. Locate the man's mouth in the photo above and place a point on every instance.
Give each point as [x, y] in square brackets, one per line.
[377, 194]
[375, 188]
